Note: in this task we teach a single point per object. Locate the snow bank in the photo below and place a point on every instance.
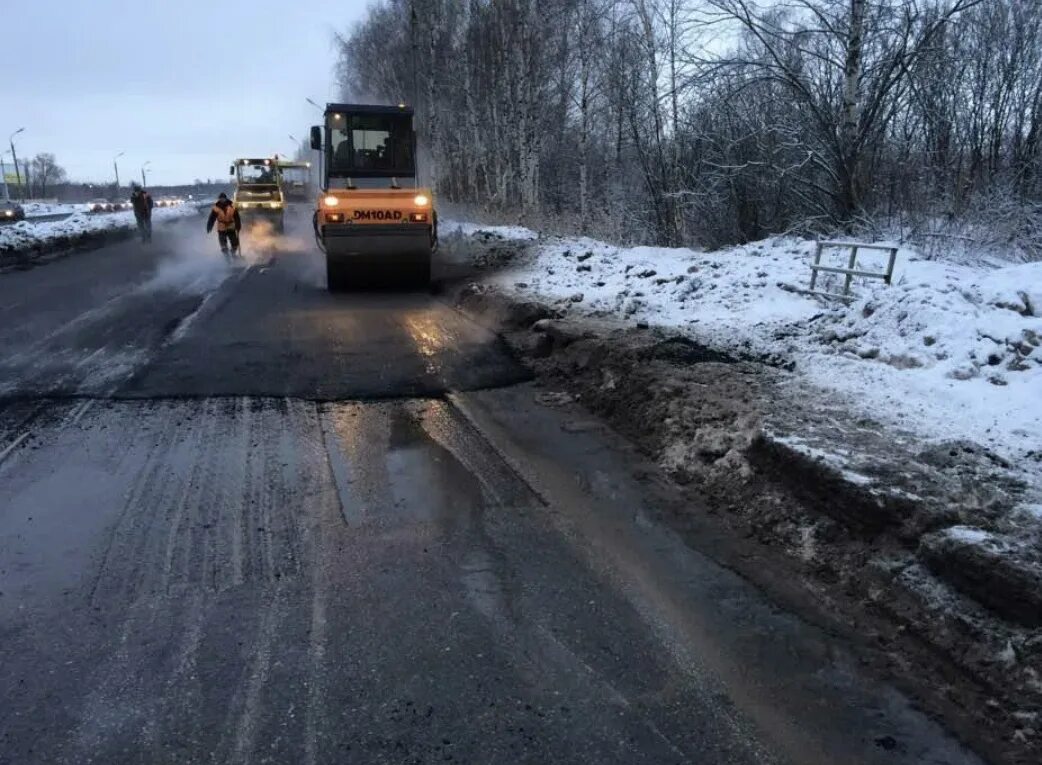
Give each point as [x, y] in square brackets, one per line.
[33, 209]
[952, 351]
[463, 228]
[947, 352]
[27, 235]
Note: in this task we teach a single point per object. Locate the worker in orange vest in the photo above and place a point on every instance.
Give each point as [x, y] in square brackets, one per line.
[228, 223]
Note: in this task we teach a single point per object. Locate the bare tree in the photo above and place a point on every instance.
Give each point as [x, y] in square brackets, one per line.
[46, 171]
[847, 64]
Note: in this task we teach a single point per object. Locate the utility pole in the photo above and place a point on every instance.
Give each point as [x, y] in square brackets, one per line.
[14, 157]
[115, 166]
[144, 183]
[3, 172]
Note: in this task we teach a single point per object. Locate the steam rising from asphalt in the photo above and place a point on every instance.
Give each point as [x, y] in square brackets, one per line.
[193, 264]
[195, 267]
[261, 242]
[301, 260]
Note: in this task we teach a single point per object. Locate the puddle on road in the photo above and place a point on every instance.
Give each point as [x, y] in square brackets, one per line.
[391, 473]
[426, 481]
[416, 472]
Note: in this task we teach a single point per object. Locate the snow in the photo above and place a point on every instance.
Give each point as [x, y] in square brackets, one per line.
[949, 351]
[34, 209]
[463, 228]
[835, 458]
[672, 287]
[969, 535]
[28, 234]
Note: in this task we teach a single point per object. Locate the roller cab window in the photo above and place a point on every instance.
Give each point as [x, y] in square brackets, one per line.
[372, 145]
[257, 174]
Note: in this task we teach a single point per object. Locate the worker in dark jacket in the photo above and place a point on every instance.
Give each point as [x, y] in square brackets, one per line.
[228, 223]
[142, 203]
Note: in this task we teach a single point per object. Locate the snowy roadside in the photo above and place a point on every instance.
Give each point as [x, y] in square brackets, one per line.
[35, 237]
[891, 447]
[450, 228]
[948, 353]
[46, 209]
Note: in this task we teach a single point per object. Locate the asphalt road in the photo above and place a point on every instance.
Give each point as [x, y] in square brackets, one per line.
[243, 520]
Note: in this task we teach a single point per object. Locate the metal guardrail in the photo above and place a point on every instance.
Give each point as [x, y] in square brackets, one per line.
[851, 271]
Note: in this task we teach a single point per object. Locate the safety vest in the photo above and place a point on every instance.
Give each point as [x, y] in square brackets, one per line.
[225, 217]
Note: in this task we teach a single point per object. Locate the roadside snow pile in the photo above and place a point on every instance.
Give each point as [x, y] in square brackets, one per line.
[723, 295]
[35, 209]
[965, 323]
[28, 235]
[462, 228]
[954, 353]
[948, 351]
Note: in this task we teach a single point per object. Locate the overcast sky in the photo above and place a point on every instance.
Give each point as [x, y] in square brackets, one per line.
[185, 84]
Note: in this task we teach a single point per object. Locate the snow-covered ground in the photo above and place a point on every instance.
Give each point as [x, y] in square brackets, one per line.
[37, 209]
[464, 228]
[946, 352]
[29, 234]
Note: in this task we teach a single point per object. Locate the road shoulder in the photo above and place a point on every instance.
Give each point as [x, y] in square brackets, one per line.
[877, 549]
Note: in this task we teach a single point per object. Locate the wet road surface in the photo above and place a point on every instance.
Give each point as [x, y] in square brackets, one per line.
[245, 521]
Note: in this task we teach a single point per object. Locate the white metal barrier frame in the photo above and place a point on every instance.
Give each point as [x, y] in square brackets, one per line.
[851, 270]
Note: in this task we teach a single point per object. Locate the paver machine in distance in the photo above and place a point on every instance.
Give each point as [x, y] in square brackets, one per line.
[373, 222]
[258, 191]
[296, 180]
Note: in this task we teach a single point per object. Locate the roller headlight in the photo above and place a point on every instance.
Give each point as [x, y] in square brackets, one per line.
[421, 200]
[331, 201]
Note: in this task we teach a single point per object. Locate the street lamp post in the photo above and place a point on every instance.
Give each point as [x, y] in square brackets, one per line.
[144, 183]
[14, 157]
[115, 166]
[3, 173]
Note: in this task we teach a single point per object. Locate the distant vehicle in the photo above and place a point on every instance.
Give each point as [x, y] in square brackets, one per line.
[99, 206]
[169, 202]
[120, 205]
[296, 180]
[372, 216]
[10, 212]
[258, 190]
